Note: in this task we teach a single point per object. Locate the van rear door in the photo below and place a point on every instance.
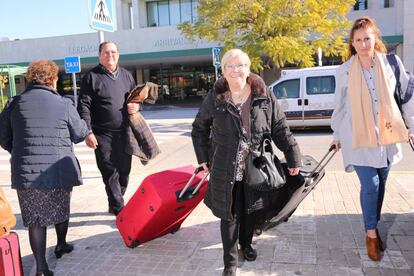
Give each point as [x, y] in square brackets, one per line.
[288, 93]
[318, 100]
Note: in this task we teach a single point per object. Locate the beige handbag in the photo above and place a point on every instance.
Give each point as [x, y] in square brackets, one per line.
[7, 217]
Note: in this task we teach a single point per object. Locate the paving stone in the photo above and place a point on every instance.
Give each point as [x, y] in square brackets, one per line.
[324, 237]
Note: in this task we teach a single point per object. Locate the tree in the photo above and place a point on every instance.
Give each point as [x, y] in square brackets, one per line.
[274, 32]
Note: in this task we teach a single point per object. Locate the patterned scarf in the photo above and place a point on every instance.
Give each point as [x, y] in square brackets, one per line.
[390, 123]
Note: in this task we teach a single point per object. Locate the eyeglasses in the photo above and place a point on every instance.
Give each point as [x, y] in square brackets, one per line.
[235, 67]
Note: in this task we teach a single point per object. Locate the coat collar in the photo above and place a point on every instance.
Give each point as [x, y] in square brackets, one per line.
[41, 86]
[258, 86]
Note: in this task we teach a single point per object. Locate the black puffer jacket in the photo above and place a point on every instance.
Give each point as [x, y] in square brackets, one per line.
[216, 135]
[38, 128]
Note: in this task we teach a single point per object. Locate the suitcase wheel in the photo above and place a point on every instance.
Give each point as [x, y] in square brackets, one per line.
[174, 230]
[133, 244]
[290, 214]
[258, 231]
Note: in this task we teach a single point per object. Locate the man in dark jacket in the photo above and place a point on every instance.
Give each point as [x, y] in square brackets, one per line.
[102, 105]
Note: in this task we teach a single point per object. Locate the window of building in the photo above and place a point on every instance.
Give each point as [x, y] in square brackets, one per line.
[194, 13]
[175, 12]
[361, 5]
[163, 14]
[320, 85]
[387, 3]
[287, 89]
[185, 9]
[179, 82]
[152, 14]
[171, 12]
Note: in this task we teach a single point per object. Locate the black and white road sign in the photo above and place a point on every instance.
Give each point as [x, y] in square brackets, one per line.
[102, 15]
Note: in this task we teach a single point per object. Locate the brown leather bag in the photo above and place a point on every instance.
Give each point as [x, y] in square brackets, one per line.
[7, 218]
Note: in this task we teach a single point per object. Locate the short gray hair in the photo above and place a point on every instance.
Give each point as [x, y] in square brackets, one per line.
[232, 53]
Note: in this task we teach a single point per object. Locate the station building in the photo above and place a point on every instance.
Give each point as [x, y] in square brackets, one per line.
[153, 49]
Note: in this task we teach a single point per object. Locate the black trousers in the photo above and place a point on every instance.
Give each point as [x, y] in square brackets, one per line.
[115, 165]
[239, 230]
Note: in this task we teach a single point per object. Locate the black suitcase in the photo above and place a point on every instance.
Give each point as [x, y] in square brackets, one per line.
[282, 203]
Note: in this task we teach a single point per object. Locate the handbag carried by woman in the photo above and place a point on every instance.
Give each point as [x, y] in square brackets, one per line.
[7, 218]
[264, 172]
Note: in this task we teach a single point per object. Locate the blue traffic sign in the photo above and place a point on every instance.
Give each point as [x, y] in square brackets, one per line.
[72, 64]
[215, 52]
[102, 15]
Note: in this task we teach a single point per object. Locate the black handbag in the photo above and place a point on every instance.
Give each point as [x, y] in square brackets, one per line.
[264, 172]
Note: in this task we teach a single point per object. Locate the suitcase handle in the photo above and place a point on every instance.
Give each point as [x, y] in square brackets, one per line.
[411, 143]
[324, 161]
[197, 170]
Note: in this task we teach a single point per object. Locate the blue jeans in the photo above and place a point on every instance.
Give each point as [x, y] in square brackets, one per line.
[372, 193]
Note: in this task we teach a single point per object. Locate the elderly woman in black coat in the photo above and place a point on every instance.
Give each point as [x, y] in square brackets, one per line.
[234, 119]
[38, 127]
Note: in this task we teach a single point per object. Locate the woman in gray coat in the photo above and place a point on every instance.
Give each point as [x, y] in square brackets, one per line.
[234, 119]
[38, 127]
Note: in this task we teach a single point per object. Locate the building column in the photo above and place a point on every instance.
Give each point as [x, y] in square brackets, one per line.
[135, 14]
[119, 17]
[408, 49]
[139, 74]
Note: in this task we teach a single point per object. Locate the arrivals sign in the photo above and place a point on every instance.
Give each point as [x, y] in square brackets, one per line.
[102, 15]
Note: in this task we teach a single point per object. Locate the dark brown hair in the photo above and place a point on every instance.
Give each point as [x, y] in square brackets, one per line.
[364, 23]
[104, 43]
[42, 72]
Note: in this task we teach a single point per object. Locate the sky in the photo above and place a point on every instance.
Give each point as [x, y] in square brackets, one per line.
[21, 19]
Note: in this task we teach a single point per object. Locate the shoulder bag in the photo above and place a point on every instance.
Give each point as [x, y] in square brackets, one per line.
[264, 171]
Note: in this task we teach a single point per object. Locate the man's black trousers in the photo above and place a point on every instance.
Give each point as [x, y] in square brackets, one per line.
[115, 165]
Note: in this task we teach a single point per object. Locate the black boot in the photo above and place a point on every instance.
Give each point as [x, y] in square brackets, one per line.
[44, 273]
[229, 271]
[249, 253]
[60, 250]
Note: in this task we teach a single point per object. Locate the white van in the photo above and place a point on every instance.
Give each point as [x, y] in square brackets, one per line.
[306, 95]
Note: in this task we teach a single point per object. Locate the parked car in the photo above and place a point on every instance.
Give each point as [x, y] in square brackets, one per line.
[306, 95]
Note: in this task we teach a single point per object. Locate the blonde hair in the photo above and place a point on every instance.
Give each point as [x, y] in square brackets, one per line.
[364, 23]
[232, 54]
[42, 72]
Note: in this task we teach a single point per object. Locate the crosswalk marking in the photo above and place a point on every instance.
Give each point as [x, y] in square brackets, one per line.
[86, 156]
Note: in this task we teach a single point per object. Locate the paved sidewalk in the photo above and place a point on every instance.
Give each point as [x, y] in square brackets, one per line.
[324, 236]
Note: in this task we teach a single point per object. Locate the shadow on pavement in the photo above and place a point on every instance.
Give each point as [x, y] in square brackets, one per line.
[304, 245]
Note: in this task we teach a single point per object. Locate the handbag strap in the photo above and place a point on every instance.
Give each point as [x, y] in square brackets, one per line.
[269, 143]
[268, 121]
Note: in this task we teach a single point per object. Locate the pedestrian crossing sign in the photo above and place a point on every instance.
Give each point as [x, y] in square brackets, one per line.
[102, 15]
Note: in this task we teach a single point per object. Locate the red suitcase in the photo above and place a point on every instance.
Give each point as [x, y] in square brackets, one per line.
[161, 204]
[10, 260]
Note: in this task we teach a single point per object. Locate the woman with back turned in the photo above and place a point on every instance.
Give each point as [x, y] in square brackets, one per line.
[38, 127]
